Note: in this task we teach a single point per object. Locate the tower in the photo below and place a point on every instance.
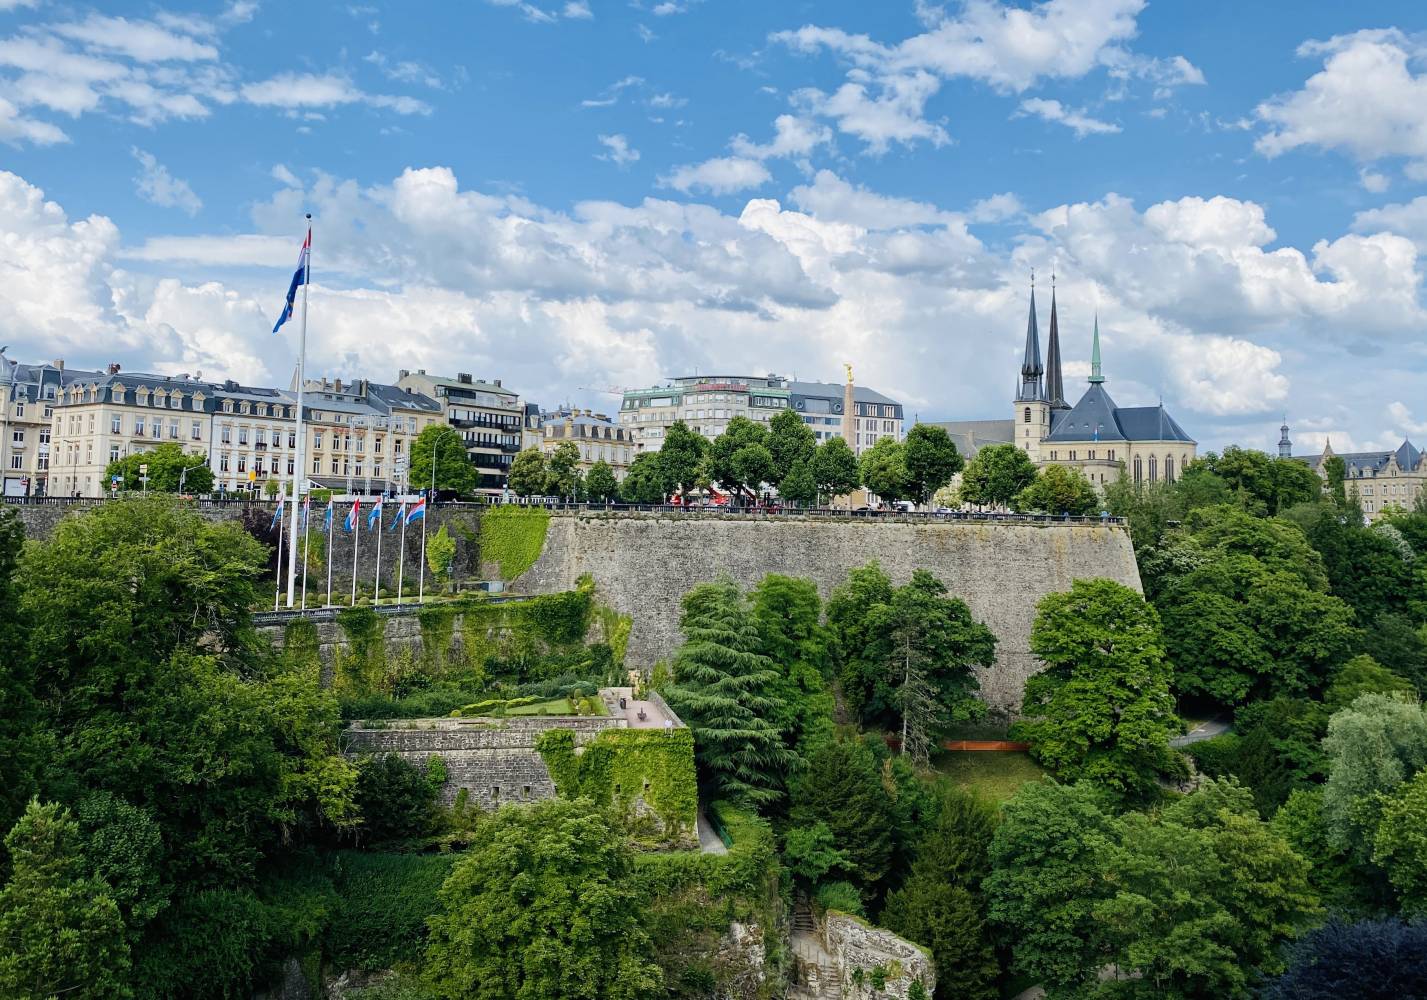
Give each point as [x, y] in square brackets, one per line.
[1054, 384]
[849, 413]
[1285, 446]
[1031, 415]
[1096, 376]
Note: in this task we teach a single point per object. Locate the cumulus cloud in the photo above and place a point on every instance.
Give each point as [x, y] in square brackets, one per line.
[159, 187]
[617, 150]
[1074, 119]
[1366, 101]
[1405, 218]
[720, 175]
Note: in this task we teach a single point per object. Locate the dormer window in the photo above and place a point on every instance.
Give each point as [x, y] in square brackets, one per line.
[227, 406]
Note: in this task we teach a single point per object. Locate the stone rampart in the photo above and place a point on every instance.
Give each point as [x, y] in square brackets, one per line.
[643, 563]
[874, 962]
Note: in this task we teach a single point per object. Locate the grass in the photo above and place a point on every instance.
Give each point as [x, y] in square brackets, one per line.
[995, 774]
[555, 706]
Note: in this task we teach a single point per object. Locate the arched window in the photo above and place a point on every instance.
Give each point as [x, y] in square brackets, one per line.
[1154, 469]
[1028, 415]
[1139, 469]
[1169, 468]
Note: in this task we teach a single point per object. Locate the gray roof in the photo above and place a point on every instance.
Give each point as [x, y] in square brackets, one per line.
[970, 436]
[1097, 418]
[26, 382]
[396, 396]
[1360, 464]
[834, 390]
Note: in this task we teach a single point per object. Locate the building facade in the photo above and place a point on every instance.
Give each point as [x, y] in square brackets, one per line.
[28, 396]
[1383, 480]
[598, 438]
[360, 433]
[489, 416]
[706, 403]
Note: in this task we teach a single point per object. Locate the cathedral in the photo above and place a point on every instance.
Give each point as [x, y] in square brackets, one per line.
[1097, 436]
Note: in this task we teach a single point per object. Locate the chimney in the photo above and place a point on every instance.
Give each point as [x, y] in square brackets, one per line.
[463, 377]
[336, 385]
[58, 363]
[112, 368]
[401, 373]
[497, 382]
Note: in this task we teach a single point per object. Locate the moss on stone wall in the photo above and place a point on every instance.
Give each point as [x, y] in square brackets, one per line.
[512, 537]
[362, 664]
[301, 650]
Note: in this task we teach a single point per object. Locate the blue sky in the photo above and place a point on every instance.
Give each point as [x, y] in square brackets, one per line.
[580, 195]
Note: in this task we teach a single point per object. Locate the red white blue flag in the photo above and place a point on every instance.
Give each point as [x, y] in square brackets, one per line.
[299, 277]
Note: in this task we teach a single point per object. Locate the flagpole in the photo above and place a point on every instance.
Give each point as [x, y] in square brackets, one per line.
[401, 557]
[299, 468]
[377, 584]
[277, 582]
[306, 545]
[356, 545]
[330, 526]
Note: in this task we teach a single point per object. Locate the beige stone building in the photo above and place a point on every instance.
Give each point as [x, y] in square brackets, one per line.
[28, 396]
[1382, 479]
[598, 438]
[360, 433]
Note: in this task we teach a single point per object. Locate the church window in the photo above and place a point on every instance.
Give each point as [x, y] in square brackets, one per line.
[1028, 414]
[1154, 469]
[1072, 456]
[1111, 455]
[1139, 469]
[1169, 468]
[1092, 454]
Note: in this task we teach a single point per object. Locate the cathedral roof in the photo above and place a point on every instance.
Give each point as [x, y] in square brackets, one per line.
[1097, 418]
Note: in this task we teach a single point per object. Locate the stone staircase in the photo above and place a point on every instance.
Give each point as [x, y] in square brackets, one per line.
[817, 974]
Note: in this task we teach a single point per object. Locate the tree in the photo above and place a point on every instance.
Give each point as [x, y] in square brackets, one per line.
[644, 482]
[19, 747]
[1280, 748]
[1101, 709]
[1059, 489]
[811, 852]
[60, 932]
[941, 905]
[722, 690]
[1379, 959]
[996, 475]
[679, 457]
[926, 644]
[562, 470]
[790, 442]
[454, 470]
[1363, 675]
[788, 612]
[739, 458]
[1263, 485]
[167, 464]
[849, 619]
[123, 848]
[601, 484]
[1400, 843]
[542, 907]
[527, 473]
[834, 468]
[397, 800]
[842, 787]
[931, 460]
[883, 470]
[798, 487]
[1373, 746]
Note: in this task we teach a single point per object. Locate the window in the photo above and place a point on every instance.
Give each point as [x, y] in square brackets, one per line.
[242, 435]
[262, 437]
[226, 434]
[223, 462]
[289, 466]
[227, 406]
[138, 426]
[173, 429]
[19, 409]
[316, 465]
[1111, 454]
[1154, 469]
[115, 423]
[17, 437]
[242, 463]
[113, 453]
[15, 461]
[196, 431]
[317, 440]
[292, 439]
[336, 465]
[1169, 468]
[1028, 415]
[1139, 470]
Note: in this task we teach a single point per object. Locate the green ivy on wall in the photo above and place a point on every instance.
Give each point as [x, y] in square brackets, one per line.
[438, 627]
[512, 537]
[361, 665]
[300, 647]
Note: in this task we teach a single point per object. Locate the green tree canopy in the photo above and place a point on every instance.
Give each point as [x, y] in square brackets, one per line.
[166, 464]
[1363, 675]
[562, 471]
[1101, 709]
[1373, 746]
[931, 460]
[680, 456]
[723, 690]
[542, 907]
[842, 787]
[1261, 484]
[601, 484]
[883, 470]
[996, 475]
[788, 613]
[739, 458]
[1400, 843]
[1059, 489]
[454, 470]
[834, 468]
[19, 744]
[527, 473]
[644, 482]
[798, 486]
[790, 442]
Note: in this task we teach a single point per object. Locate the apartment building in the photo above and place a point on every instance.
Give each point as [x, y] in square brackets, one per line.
[360, 433]
[253, 438]
[28, 395]
[489, 417]
[707, 402]
[598, 438]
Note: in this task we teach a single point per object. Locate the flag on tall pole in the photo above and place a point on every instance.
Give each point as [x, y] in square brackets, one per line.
[400, 519]
[327, 527]
[375, 518]
[306, 544]
[354, 525]
[418, 512]
[301, 276]
[277, 574]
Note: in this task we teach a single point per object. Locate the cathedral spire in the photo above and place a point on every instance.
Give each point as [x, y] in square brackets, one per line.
[1032, 387]
[1095, 375]
[1054, 386]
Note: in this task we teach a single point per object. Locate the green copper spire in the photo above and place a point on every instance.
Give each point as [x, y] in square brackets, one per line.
[1095, 375]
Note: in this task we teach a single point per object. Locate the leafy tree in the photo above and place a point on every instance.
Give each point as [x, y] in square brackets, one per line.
[542, 907]
[397, 800]
[1261, 484]
[1299, 821]
[61, 935]
[842, 787]
[1101, 709]
[454, 470]
[883, 470]
[1398, 644]
[996, 475]
[739, 458]
[644, 482]
[562, 470]
[925, 644]
[1370, 569]
[790, 442]
[849, 611]
[723, 691]
[811, 852]
[123, 847]
[798, 486]
[1059, 489]
[834, 468]
[440, 554]
[1364, 675]
[19, 747]
[1335, 474]
[167, 463]
[527, 473]
[1400, 843]
[1280, 748]
[679, 457]
[1380, 959]
[601, 484]
[931, 460]
[1048, 858]
[1375, 745]
[941, 905]
[788, 613]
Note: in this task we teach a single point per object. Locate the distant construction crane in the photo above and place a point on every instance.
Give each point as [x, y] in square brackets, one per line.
[609, 390]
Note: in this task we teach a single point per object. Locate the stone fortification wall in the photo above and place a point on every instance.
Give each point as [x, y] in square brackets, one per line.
[642, 564]
[860, 951]
[494, 760]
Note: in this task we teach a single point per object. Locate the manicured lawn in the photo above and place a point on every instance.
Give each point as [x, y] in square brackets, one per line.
[555, 706]
[995, 774]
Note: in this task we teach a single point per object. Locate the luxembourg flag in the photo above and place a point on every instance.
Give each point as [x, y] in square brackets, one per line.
[417, 512]
[277, 517]
[400, 517]
[327, 518]
[375, 517]
[352, 515]
[299, 277]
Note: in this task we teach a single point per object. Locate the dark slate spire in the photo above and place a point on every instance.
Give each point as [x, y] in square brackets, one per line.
[1054, 387]
[1095, 374]
[1032, 387]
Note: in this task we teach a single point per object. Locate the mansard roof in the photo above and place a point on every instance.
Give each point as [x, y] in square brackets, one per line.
[1358, 464]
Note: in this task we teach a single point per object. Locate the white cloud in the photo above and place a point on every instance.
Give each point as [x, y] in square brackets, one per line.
[1403, 421]
[831, 198]
[17, 4]
[619, 152]
[793, 136]
[611, 94]
[1373, 182]
[1406, 219]
[645, 34]
[405, 70]
[1073, 118]
[879, 111]
[282, 175]
[721, 175]
[1365, 101]
[16, 128]
[312, 90]
[159, 187]
[142, 41]
[996, 208]
[578, 10]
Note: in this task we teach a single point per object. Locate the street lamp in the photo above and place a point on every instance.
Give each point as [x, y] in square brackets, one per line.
[183, 473]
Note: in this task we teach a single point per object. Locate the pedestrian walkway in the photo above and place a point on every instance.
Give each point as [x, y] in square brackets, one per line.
[640, 714]
[709, 841]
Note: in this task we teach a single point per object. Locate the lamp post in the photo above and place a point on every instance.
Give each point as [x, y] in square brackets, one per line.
[183, 474]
